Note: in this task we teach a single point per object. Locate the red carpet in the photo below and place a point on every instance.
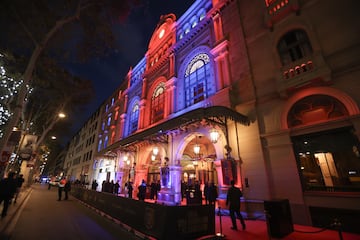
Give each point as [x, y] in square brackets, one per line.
[257, 230]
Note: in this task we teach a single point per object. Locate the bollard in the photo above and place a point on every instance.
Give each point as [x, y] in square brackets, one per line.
[267, 216]
[220, 235]
[337, 226]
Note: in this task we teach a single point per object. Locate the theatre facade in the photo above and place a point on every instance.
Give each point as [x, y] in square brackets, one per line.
[264, 92]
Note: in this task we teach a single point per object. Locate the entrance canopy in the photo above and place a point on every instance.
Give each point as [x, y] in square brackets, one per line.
[217, 115]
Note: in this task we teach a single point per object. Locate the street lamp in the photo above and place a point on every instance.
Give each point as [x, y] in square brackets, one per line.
[61, 115]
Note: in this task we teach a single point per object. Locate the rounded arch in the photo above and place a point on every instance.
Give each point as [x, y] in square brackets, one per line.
[161, 104]
[164, 28]
[203, 52]
[348, 102]
[132, 103]
[288, 27]
[185, 141]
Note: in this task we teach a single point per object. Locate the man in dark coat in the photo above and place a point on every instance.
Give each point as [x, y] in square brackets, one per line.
[212, 194]
[67, 189]
[233, 200]
[7, 191]
[142, 190]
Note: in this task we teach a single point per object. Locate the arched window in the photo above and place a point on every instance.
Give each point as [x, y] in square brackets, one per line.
[197, 77]
[134, 117]
[315, 108]
[99, 145]
[106, 141]
[293, 46]
[158, 104]
[112, 140]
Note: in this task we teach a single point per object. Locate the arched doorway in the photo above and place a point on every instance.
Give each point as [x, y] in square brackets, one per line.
[197, 161]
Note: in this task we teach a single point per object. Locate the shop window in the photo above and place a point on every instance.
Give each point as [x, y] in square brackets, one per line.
[293, 46]
[329, 160]
[157, 104]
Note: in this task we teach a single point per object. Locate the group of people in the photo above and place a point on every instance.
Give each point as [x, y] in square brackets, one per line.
[233, 197]
[108, 186]
[10, 188]
[64, 185]
[209, 192]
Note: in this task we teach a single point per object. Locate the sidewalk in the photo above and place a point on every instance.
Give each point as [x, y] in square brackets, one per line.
[13, 210]
[255, 229]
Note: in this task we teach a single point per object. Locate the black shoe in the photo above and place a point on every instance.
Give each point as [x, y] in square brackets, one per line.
[234, 228]
[244, 227]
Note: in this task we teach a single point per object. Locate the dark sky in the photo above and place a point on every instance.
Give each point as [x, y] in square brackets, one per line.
[133, 37]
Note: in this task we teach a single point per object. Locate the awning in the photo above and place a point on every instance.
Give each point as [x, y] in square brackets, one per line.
[218, 114]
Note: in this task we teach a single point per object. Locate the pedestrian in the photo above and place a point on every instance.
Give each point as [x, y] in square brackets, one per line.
[19, 182]
[206, 192]
[7, 191]
[130, 188]
[111, 187]
[116, 187]
[142, 190]
[61, 186]
[67, 189]
[233, 201]
[212, 193]
[103, 186]
[153, 190]
[94, 185]
[157, 189]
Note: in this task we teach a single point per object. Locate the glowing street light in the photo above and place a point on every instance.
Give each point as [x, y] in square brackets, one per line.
[61, 115]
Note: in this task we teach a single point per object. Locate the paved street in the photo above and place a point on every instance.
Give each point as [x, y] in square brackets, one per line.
[38, 215]
[42, 217]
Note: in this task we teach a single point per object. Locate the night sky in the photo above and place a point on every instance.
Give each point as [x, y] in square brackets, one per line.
[133, 37]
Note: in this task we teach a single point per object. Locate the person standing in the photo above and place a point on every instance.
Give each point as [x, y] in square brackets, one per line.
[19, 182]
[94, 185]
[67, 189]
[61, 186]
[129, 188]
[233, 201]
[153, 190]
[206, 192]
[116, 188]
[7, 191]
[142, 190]
[212, 193]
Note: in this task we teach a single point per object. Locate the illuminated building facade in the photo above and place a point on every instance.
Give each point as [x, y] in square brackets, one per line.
[80, 155]
[275, 82]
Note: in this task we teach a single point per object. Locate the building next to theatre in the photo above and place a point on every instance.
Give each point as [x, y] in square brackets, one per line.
[264, 92]
[80, 152]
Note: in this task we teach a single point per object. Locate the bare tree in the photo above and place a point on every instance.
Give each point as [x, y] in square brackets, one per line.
[35, 28]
